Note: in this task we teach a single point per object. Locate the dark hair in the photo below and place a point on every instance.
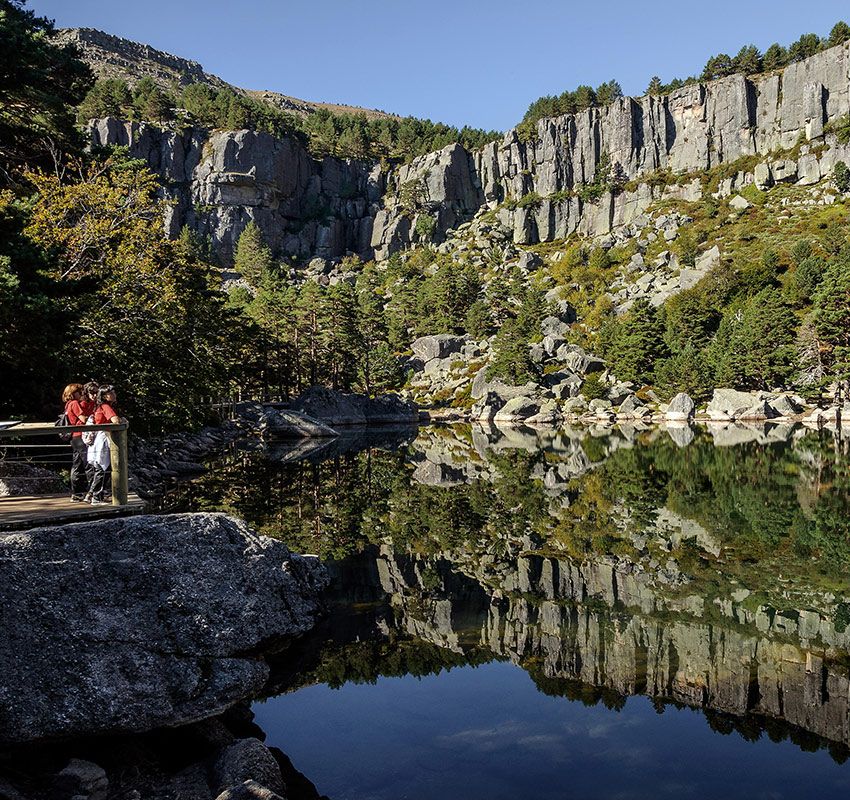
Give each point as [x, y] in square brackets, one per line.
[103, 391]
[92, 387]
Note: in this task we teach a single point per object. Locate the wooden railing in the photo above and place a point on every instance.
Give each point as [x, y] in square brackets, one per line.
[117, 447]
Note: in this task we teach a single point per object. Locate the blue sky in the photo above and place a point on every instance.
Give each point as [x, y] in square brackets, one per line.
[477, 62]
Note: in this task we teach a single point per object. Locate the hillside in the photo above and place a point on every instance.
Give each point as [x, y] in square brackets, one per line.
[592, 264]
[113, 57]
[625, 219]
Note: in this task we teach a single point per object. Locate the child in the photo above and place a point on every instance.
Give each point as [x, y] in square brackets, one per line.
[98, 453]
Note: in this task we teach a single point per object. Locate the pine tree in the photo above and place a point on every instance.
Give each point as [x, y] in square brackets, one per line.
[718, 66]
[253, 258]
[401, 311]
[478, 322]
[40, 83]
[839, 34]
[754, 346]
[308, 339]
[151, 103]
[805, 47]
[339, 336]
[608, 92]
[585, 98]
[775, 57]
[384, 368]
[689, 319]
[273, 309]
[193, 245]
[372, 330]
[634, 343]
[655, 86]
[832, 316]
[807, 276]
[353, 142]
[109, 97]
[841, 177]
[511, 359]
[686, 371]
[748, 61]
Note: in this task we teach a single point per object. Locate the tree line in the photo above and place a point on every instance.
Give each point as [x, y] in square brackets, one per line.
[322, 131]
[778, 322]
[748, 61]
[570, 101]
[751, 61]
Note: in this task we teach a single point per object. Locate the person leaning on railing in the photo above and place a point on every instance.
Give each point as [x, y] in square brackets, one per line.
[98, 453]
[79, 405]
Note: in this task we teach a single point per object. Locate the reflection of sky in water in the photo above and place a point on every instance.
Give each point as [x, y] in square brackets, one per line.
[730, 585]
[487, 732]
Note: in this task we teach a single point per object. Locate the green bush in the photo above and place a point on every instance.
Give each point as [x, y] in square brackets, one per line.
[594, 388]
[425, 226]
[841, 176]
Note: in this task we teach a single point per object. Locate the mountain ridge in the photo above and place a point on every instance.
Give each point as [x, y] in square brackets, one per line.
[111, 56]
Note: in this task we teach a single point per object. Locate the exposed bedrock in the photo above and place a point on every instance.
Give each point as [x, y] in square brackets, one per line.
[126, 625]
[308, 207]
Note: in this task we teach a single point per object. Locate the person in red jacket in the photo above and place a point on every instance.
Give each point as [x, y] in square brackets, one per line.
[78, 406]
[98, 453]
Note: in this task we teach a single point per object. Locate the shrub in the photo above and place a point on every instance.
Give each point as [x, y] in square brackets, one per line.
[686, 371]
[807, 276]
[840, 128]
[594, 388]
[425, 226]
[841, 177]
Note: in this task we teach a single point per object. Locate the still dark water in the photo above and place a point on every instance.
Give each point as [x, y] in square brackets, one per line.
[570, 614]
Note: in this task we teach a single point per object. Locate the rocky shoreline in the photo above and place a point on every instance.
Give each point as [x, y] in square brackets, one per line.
[221, 758]
[122, 627]
[315, 414]
[306, 425]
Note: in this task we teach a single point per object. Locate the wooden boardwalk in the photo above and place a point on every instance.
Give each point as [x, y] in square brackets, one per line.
[18, 513]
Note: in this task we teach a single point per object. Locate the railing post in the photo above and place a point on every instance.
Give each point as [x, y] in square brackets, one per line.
[118, 457]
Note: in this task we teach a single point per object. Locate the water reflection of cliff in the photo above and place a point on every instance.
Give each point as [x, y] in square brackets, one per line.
[580, 627]
[607, 564]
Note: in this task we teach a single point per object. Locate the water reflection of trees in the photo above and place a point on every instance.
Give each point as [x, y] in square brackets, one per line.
[476, 546]
[784, 503]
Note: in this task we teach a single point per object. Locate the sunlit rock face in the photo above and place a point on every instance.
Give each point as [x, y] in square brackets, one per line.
[327, 207]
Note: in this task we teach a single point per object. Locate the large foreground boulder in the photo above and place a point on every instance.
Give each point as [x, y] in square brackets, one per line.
[130, 624]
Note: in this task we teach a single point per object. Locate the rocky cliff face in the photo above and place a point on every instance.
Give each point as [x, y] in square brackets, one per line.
[221, 181]
[326, 208]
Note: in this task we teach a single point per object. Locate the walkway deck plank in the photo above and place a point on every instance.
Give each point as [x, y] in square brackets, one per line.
[17, 513]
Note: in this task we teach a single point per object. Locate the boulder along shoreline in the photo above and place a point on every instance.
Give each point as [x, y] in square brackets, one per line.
[128, 637]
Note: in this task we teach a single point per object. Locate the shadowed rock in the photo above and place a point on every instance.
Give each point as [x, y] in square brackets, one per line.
[126, 625]
[18, 479]
[340, 408]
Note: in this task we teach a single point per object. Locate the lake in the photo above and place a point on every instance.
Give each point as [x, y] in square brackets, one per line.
[594, 613]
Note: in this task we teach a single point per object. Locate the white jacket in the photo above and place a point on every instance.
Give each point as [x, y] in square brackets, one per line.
[98, 453]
